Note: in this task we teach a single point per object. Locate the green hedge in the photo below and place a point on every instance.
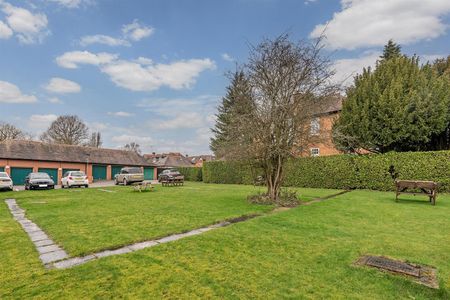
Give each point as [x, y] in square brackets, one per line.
[345, 171]
[191, 173]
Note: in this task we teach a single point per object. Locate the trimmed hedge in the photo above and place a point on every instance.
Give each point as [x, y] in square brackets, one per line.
[345, 171]
[191, 173]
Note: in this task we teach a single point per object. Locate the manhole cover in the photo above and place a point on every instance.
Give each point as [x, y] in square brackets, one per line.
[421, 274]
[392, 265]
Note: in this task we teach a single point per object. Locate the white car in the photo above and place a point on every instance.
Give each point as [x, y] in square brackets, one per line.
[74, 178]
[5, 182]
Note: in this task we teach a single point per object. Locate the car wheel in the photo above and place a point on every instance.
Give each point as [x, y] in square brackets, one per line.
[86, 186]
[125, 182]
[116, 182]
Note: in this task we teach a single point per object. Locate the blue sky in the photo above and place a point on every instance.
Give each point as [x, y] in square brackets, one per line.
[153, 71]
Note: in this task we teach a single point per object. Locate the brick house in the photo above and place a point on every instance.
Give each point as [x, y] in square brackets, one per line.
[321, 141]
[198, 160]
[18, 158]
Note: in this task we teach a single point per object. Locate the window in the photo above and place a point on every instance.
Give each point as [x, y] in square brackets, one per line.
[315, 151]
[315, 126]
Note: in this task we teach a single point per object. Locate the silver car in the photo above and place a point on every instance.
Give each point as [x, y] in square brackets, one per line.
[5, 182]
[129, 175]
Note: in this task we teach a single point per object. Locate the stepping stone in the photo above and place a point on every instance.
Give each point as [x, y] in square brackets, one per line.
[48, 249]
[205, 229]
[43, 243]
[142, 245]
[53, 256]
[192, 232]
[38, 236]
[72, 262]
[170, 238]
[106, 253]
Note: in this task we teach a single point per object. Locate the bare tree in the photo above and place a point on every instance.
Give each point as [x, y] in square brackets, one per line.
[290, 83]
[133, 147]
[69, 130]
[11, 132]
[95, 140]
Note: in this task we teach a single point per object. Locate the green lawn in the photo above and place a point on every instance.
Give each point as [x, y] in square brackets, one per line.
[306, 252]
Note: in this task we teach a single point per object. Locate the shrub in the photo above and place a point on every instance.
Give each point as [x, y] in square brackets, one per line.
[345, 171]
[191, 173]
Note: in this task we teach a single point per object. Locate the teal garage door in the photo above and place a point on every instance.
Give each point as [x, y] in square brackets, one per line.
[18, 175]
[148, 173]
[51, 172]
[115, 170]
[2, 169]
[99, 172]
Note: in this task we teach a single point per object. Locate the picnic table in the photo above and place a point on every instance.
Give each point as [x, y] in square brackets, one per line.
[143, 186]
[428, 188]
[177, 181]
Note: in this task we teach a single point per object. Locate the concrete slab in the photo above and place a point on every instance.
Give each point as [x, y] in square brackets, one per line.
[143, 245]
[72, 262]
[53, 256]
[170, 238]
[38, 236]
[48, 249]
[43, 243]
[106, 253]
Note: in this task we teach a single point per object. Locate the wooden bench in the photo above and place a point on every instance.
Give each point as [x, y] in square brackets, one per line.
[428, 188]
[143, 186]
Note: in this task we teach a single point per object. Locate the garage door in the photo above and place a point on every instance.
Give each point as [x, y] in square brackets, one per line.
[18, 175]
[115, 170]
[148, 173]
[99, 172]
[51, 172]
[2, 169]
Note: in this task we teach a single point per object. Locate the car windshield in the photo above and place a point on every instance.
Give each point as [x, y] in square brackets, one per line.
[39, 176]
[77, 174]
[134, 171]
[3, 175]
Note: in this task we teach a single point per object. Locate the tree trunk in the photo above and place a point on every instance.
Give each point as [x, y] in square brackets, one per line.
[273, 178]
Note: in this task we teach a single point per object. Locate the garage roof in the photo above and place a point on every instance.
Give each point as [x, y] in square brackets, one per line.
[32, 150]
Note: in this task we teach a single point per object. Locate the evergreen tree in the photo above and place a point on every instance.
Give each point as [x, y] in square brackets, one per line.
[235, 102]
[399, 106]
[391, 50]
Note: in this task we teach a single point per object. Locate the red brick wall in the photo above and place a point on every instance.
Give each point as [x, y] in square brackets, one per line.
[324, 140]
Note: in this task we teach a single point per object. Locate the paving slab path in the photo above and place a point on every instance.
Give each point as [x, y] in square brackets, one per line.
[49, 251]
[54, 257]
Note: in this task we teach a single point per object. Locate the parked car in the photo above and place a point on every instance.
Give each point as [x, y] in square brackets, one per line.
[39, 180]
[129, 175]
[5, 182]
[74, 178]
[170, 174]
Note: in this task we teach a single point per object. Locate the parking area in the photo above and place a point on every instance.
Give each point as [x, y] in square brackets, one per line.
[98, 184]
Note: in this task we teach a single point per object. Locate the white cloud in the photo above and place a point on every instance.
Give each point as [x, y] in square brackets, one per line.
[55, 100]
[71, 3]
[431, 57]
[227, 57]
[10, 93]
[136, 31]
[120, 114]
[347, 68]
[137, 77]
[29, 28]
[103, 39]
[62, 86]
[41, 121]
[182, 120]
[367, 23]
[5, 31]
[141, 74]
[71, 60]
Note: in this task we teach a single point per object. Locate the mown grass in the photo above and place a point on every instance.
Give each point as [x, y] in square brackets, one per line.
[307, 253]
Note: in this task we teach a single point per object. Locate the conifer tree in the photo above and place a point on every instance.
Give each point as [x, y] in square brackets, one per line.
[398, 106]
[391, 49]
[235, 102]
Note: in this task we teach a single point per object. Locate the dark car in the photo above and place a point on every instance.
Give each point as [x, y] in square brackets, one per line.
[39, 180]
[170, 174]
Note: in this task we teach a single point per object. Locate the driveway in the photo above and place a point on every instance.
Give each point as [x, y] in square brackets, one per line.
[97, 184]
